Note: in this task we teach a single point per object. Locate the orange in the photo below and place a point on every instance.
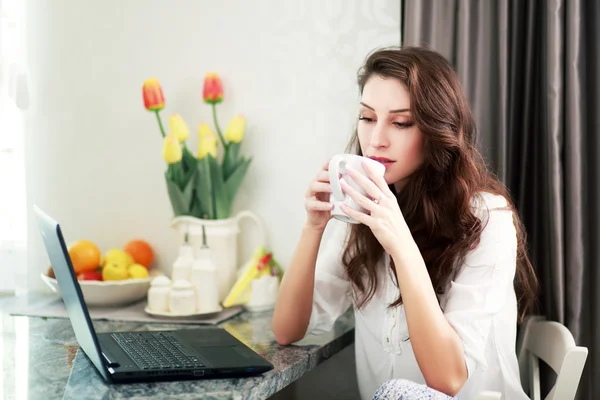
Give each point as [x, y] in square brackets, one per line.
[85, 256]
[141, 252]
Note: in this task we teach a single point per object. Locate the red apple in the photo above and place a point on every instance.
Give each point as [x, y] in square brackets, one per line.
[89, 276]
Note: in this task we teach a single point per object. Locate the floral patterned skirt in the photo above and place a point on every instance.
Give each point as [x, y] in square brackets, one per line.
[401, 389]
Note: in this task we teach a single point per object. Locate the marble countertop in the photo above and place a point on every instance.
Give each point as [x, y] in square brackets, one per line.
[41, 360]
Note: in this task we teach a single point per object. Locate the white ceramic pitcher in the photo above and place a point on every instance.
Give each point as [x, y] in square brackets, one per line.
[222, 237]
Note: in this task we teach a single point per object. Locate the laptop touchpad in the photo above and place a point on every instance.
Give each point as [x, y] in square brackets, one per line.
[206, 337]
[230, 356]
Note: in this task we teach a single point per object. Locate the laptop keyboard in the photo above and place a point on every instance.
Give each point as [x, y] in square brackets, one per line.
[157, 350]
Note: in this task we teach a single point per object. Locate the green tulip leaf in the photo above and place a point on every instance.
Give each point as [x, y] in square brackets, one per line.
[235, 180]
[222, 202]
[180, 200]
[188, 162]
[230, 159]
[204, 188]
[196, 208]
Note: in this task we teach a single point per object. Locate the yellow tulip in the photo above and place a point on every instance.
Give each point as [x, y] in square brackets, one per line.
[178, 127]
[235, 130]
[207, 141]
[172, 152]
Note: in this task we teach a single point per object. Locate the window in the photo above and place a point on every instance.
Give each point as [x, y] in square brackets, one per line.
[13, 102]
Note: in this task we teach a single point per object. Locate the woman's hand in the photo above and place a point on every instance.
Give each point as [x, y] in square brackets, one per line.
[317, 204]
[383, 213]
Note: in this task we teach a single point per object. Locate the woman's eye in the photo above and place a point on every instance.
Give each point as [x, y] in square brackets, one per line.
[404, 125]
[361, 118]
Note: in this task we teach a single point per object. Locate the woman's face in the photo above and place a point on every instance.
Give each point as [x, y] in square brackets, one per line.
[386, 130]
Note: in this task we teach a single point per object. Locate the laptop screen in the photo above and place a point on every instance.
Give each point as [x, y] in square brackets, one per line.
[70, 290]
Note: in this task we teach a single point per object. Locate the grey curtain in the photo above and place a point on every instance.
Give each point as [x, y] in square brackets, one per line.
[531, 72]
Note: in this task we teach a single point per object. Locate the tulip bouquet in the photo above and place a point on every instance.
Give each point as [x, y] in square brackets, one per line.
[200, 185]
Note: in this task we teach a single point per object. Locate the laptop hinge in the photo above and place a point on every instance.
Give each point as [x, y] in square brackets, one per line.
[110, 360]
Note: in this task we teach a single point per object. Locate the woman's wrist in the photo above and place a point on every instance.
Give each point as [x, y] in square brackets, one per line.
[312, 229]
[407, 255]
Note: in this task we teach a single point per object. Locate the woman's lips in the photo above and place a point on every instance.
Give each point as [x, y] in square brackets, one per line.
[385, 161]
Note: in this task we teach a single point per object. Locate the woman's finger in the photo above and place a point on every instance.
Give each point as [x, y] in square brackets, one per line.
[365, 182]
[316, 205]
[320, 187]
[377, 179]
[357, 215]
[323, 176]
[358, 197]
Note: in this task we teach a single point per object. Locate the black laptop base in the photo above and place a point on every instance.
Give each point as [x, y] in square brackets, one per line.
[220, 358]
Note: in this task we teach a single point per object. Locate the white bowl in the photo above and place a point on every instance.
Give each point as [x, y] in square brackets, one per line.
[108, 293]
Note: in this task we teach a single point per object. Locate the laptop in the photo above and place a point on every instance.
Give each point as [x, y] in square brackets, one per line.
[120, 357]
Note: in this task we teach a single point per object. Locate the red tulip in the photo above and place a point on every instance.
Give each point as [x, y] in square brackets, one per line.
[213, 88]
[153, 95]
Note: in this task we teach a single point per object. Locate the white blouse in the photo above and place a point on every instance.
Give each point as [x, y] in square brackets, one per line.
[480, 305]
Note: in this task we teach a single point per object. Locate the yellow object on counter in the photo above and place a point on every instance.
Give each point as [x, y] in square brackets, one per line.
[242, 285]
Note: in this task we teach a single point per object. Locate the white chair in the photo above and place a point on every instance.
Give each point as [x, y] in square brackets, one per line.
[552, 343]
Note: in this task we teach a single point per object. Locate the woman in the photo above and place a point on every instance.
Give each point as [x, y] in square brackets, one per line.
[437, 270]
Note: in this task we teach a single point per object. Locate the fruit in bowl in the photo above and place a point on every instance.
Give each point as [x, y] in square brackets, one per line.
[141, 252]
[137, 271]
[114, 279]
[88, 276]
[85, 256]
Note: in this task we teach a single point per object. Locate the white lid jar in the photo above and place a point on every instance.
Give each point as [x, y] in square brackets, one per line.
[158, 294]
[182, 300]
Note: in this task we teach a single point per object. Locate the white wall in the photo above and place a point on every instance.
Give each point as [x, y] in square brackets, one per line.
[93, 153]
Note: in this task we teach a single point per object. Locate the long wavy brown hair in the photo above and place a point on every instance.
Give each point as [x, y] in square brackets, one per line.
[437, 200]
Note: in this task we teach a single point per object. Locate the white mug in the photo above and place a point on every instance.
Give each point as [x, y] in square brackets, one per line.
[337, 167]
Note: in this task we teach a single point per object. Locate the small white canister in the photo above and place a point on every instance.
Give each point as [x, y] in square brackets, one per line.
[182, 267]
[205, 281]
[183, 298]
[158, 294]
[264, 293]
